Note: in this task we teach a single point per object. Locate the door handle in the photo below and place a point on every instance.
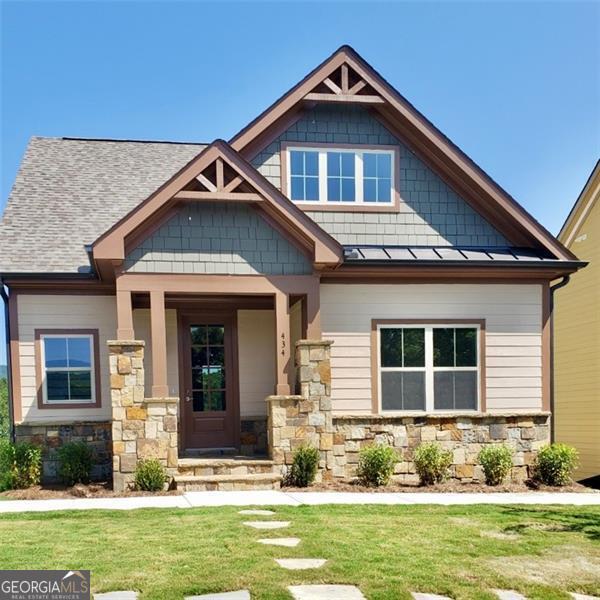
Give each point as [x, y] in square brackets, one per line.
[188, 398]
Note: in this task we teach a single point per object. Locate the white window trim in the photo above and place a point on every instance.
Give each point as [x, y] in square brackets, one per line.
[429, 368]
[91, 369]
[358, 174]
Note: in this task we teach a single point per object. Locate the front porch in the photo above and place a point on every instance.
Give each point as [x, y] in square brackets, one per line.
[195, 359]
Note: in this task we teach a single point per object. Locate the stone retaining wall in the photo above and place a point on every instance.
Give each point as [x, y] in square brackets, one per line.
[307, 418]
[463, 435]
[51, 436]
[142, 427]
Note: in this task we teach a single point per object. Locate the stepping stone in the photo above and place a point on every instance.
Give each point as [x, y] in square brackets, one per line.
[239, 595]
[262, 513]
[267, 524]
[325, 592]
[509, 595]
[116, 596]
[419, 596]
[582, 596]
[299, 564]
[289, 542]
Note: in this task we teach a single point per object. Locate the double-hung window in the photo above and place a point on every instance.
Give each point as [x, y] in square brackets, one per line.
[428, 367]
[338, 176]
[68, 368]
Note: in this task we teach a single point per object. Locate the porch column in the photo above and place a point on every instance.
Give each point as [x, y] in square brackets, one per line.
[158, 326]
[313, 311]
[282, 342]
[124, 315]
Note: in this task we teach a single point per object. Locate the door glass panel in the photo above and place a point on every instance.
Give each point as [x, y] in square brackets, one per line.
[208, 367]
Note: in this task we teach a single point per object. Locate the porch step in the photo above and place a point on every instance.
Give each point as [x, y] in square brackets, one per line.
[253, 481]
[239, 465]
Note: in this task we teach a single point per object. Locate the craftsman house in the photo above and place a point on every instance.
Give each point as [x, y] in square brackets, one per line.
[338, 272]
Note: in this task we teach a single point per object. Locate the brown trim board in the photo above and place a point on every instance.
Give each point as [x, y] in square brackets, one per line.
[39, 370]
[374, 353]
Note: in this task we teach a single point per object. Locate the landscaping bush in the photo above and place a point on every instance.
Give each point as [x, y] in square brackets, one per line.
[150, 475]
[304, 466]
[496, 461]
[74, 463]
[554, 464]
[432, 463]
[20, 465]
[376, 464]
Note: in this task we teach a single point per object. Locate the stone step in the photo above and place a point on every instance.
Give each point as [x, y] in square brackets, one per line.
[253, 481]
[207, 466]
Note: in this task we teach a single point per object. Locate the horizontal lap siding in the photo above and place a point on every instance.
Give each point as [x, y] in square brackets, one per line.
[513, 353]
[256, 351]
[63, 312]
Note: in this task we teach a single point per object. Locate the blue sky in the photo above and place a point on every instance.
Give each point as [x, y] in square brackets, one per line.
[515, 85]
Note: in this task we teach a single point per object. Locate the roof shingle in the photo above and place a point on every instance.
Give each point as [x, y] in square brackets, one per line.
[68, 192]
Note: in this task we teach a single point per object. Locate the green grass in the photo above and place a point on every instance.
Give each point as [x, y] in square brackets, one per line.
[387, 551]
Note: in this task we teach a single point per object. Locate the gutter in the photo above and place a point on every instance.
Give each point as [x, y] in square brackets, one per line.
[11, 416]
[553, 288]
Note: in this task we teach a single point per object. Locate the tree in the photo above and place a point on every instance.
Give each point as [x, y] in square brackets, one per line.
[4, 417]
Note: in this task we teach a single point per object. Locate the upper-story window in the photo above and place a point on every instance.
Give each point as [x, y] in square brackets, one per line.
[341, 175]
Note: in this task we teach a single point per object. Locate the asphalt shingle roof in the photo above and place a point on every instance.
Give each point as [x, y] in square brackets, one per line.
[68, 192]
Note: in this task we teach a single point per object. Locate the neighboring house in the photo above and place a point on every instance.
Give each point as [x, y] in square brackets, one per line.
[577, 335]
[170, 299]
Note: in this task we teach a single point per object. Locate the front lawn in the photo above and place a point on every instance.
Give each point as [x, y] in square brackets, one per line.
[387, 551]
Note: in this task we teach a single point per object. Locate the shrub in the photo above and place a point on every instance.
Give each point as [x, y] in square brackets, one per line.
[432, 463]
[74, 463]
[554, 464]
[376, 464]
[496, 461]
[20, 465]
[150, 475]
[304, 466]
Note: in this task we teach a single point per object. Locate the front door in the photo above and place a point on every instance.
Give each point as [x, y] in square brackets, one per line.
[209, 408]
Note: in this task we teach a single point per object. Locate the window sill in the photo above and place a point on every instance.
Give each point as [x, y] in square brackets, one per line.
[442, 415]
[347, 207]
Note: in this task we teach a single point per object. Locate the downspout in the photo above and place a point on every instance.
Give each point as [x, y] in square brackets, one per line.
[553, 288]
[11, 416]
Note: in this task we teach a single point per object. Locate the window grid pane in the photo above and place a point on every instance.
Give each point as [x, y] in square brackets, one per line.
[341, 183]
[452, 365]
[304, 172]
[377, 177]
[68, 368]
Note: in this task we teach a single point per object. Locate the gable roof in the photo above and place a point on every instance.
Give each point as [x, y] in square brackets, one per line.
[346, 77]
[242, 183]
[69, 191]
[582, 208]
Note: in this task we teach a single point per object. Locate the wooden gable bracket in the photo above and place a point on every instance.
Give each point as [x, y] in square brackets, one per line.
[219, 182]
[344, 85]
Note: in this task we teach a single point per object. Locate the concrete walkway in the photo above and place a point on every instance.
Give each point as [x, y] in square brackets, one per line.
[278, 498]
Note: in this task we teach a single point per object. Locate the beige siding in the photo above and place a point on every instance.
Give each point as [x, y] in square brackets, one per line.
[141, 325]
[256, 351]
[577, 350]
[513, 352]
[63, 312]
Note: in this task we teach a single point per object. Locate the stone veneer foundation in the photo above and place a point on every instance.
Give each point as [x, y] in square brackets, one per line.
[52, 435]
[142, 427]
[307, 418]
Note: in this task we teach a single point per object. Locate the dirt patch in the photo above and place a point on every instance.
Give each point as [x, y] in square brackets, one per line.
[500, 535]
[563, 566]
[447, 486]
[92, 490]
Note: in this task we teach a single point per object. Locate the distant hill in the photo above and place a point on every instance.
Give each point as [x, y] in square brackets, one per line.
[2, 371]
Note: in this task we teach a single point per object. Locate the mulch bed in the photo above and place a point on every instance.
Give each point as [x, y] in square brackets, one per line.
[92, 490]
[448, 486]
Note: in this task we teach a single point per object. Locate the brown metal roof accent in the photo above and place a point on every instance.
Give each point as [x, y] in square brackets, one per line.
[448, 160]
[219, 168]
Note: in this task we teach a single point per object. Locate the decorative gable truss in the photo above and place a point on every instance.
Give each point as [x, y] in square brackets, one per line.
[217, 174]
